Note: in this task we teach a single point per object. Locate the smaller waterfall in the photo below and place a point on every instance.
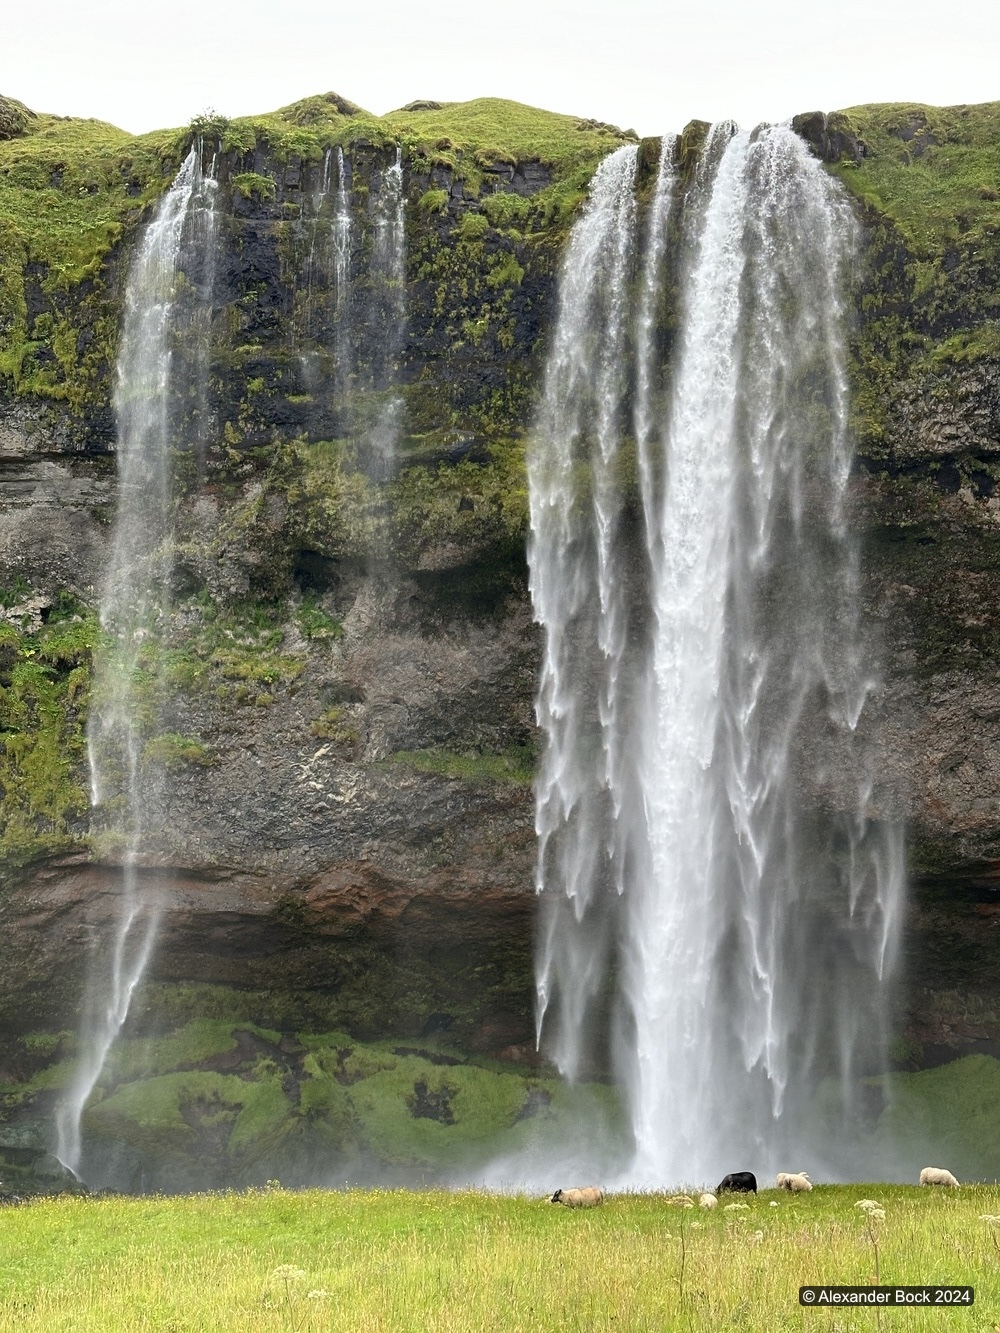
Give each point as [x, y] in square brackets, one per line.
[328, 266]
[340, 235]
[387, 316]
[160, 401]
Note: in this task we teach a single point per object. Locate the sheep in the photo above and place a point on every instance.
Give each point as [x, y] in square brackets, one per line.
[937, 1175]
[739, 1182]
[707, 1200]
[796, 1181]
[589, 1197]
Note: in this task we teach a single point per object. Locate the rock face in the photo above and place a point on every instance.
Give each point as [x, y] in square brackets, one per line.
[346, 841]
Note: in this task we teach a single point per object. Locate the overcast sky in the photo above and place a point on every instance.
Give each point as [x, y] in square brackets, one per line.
[145, 64]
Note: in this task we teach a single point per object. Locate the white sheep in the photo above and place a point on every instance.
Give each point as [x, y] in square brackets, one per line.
[589, 1197]
[937, 1175]
[796, 1181]
[707, 1201]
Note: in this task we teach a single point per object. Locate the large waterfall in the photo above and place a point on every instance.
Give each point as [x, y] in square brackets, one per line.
[160, 403]
[719, 904]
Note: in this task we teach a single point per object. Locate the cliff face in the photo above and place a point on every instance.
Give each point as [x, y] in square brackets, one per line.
[346, 838]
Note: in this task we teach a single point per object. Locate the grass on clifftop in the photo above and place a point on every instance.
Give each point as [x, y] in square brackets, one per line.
[499, 130]
[68, 188]
[930, 180]
[934, 170]
[399, 1261]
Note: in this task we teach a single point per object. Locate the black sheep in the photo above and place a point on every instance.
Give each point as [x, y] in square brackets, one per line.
[739, 1182]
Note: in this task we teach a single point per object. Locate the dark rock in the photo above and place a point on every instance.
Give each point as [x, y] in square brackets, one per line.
[432, 1104]
[829, 136]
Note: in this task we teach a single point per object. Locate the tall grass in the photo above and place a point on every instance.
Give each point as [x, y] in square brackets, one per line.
[394, 1260]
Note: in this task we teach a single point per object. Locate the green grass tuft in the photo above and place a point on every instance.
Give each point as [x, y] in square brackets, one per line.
[515, 765]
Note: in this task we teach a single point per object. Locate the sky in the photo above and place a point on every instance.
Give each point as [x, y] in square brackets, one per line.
[148, 64]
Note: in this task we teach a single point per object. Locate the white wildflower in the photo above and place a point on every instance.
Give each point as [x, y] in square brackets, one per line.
[867, 1204]
[288, 1273]
[757, 1236]
[737, 1208]
[992, 1218]
[774, 1203]
[316, 1295]
[696, 1226]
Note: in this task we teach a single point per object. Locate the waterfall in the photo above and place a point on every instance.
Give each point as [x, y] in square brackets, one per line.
[341, 237]
[719, 908]
[577, 582]
[356, 307]
[386, 319]
[329, 263]
[160, 401]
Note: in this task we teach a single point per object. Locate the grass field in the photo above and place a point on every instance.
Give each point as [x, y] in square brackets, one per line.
[441, 1261]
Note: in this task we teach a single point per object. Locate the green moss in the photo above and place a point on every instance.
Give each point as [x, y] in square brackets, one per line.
[507, 273]
[433, 201]
[15, 118]
[515, 765]
[192, 1045]
[162, 1116]
[428, 503]
[68, 189]
[473, 227]
[949, 1115]
[249, 184]
[44, 684]
[171, 751]
[45, 1043]
[315, 623]
[506, 210]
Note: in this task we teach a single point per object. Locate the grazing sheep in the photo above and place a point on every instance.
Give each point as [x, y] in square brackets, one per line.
[589, 1197]
[707, 1200]
[937, 1175]
[739, 1182]
[796, 1181]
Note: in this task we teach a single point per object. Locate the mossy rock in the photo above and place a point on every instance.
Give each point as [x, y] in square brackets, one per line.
[15, 118]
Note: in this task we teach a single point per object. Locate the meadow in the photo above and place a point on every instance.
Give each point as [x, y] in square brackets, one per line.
[437, 1260]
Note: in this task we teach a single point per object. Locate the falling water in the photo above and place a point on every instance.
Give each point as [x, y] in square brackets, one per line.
[160, 401]
[719, 908]
[326, 313]
[387, 319]
[341, 236]
[576, 585]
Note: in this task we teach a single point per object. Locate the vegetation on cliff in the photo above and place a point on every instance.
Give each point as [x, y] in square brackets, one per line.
[72, 190]
[44, 680]
[928, 180]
